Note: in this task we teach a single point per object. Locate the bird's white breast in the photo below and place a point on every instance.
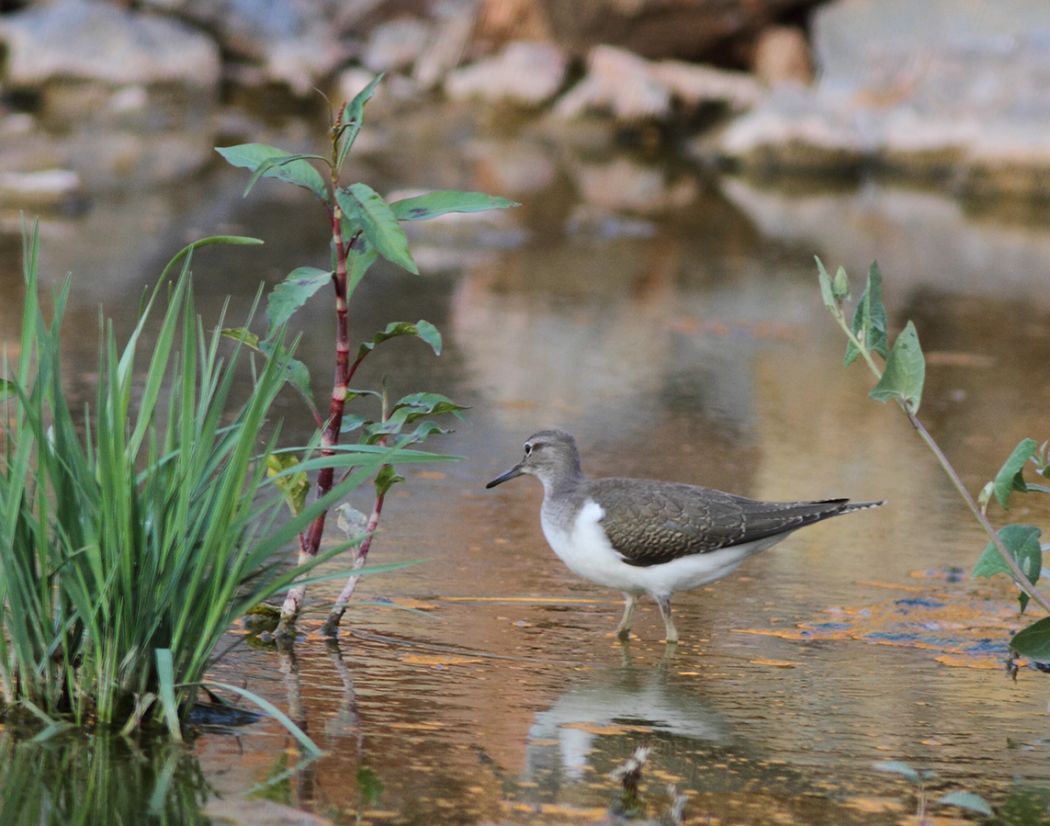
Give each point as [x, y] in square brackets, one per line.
[587, 552]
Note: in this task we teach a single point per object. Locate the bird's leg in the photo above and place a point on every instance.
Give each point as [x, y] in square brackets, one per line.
[664, 604]
[623, 630]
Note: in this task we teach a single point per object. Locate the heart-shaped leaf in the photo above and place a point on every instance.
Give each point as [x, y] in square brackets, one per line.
[905, 371]
[1034, 641]
[1022, 541]
[1010, 476]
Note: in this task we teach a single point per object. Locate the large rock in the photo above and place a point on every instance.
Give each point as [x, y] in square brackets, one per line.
[84, 41]
[781, 57]
[959, 92]
[395, 44]
[685, 29]
[632, 88]
[524, 73]
[121, 99]
[295, 43]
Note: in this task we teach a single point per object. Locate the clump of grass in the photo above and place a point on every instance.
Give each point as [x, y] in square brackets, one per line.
[134, 534]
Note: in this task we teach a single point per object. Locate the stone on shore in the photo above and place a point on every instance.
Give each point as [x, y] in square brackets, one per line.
[294, 43]
[633, 88]
[958, 93]
[524, 73]
[66, 41]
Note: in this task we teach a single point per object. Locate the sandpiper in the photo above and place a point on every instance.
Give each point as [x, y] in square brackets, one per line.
[642, 536]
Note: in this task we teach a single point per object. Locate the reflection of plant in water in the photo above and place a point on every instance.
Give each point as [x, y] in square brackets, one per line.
[1014, 549]
[363, 227]
[629, 804]
[919, 778]
[71, 781]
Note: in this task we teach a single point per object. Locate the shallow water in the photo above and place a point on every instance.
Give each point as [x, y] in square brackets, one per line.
[688, 344]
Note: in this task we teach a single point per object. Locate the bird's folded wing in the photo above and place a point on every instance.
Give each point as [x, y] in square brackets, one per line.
[650, 523]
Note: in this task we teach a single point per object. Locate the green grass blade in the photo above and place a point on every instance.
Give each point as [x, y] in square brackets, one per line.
[166, 692]
[308, 745]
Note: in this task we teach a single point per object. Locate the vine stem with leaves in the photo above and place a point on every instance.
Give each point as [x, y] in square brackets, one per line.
[1019, 576]
[902, 381]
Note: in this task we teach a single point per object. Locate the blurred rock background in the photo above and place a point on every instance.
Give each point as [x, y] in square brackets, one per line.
[100, 95]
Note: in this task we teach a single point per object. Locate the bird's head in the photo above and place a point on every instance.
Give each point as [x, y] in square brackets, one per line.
[549, 455]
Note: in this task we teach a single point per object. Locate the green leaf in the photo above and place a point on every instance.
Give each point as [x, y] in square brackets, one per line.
[352, 393]
[286, 721]
[230, 240]
[243, 335]
[905, 372]
[351, 422]
[1022, 541]
[840, 286]
[420, 434]
[352, 118]
[292, 293]
[985, 496]
[968, 800]
[897, 767]
[386, 479]
[275, 164]
[296, 373]
[264, 169]
[298, 376]
[7, 388]
[293, 487]
[1011, 475]
[430, 404]
[421, 329]
[443, 201]
[362, 256]
[827, 291]
[410, 409]
[166, 690]
[869, 319]
[372, 214]
[1033, 641]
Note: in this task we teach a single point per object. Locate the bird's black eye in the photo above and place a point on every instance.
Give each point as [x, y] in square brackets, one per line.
[528, 449]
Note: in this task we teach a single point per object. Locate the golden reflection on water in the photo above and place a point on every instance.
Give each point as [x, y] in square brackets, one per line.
[699, 354]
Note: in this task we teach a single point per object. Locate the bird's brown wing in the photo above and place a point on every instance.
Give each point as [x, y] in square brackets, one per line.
[650, 523]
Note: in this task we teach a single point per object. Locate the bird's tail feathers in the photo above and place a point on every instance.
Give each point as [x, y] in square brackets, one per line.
[863, 506]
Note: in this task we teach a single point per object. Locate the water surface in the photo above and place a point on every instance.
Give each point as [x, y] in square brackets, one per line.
[671, 321]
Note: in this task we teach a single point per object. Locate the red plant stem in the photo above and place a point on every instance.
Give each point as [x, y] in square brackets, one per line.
[330, 435]
[336, 614]
[310, 543]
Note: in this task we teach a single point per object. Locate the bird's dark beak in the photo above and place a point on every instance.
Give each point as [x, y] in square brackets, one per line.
[510, 474]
